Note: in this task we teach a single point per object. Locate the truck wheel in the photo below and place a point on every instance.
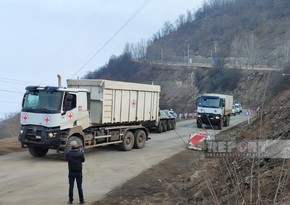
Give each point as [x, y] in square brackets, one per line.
[37, 151]
[173, 124]
[159, 127]
[164, 129]
[128, 141]
[226, 121]
[139, 139]
[169, 125]
[220, 125]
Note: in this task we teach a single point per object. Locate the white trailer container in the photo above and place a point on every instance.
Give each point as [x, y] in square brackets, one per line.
[214, 109]
[115, 102]
[92, 112]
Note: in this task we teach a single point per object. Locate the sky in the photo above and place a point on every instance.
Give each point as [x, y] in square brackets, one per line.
[41, 39]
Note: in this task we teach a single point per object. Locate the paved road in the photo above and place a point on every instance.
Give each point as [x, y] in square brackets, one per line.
[27, 180]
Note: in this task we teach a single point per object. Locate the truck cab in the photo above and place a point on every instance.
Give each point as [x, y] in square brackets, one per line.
[214, 109]
[48, 113]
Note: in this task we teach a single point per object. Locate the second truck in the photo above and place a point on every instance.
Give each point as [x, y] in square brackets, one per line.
[214, 110]
[92, 112]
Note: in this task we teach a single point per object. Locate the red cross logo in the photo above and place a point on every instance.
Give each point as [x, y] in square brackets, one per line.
[25, 117]
[70, 116]
[133, 103]
[46, 119]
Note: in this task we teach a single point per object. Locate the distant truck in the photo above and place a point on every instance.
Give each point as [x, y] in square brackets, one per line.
[214, 110]
[92, 112]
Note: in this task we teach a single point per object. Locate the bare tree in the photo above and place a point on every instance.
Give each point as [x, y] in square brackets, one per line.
[249, 49]
[141, 49]
[180, 21]
[236, 52]
[167, 28]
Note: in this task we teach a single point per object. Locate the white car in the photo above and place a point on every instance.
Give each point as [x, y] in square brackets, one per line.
[238, 107]
[234, 111]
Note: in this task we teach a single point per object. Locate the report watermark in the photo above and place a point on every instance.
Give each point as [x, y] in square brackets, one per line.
[248, 148]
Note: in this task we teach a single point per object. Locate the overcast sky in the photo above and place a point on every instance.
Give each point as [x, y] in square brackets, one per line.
[40, 39]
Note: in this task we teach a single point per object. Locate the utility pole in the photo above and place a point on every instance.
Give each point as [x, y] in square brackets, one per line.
[192, 88]
[188, 53]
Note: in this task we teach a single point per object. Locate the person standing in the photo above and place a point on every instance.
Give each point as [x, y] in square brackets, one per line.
[75, 158]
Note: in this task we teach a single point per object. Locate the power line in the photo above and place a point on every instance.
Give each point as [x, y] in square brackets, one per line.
[144, 4]
[67, 43]
[9, 102]
[11, 91]
[15, 81]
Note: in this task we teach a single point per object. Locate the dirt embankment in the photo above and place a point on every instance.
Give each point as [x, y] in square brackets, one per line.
[10, 145]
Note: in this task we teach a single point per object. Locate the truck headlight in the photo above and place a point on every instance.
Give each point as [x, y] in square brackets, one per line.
[217, 117]
[51, 135]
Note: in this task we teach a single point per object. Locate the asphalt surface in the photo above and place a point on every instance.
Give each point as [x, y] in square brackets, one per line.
[28, 180]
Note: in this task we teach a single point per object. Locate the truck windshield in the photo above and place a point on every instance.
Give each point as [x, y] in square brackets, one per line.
[208, 101]
[42, 101]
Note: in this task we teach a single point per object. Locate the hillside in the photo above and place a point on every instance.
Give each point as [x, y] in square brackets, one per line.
[252, 32]
[224, 33]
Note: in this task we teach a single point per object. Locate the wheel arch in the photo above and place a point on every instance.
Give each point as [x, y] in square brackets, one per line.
[76, 132]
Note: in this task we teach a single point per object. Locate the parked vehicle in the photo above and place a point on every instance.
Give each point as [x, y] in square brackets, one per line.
[214, 109]
[238, 107]
[166, 122]
[92, 112]
[173, 113]
[170, 119]
[234, 111]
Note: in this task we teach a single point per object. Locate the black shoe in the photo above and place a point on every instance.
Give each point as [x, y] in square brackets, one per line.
[82, 202]
[69, 202]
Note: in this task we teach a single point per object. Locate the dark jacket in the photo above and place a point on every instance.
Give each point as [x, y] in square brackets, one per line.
[75, 158]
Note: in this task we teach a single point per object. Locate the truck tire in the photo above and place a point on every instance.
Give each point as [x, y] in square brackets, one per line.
[128, 141]
[220, 125]
[173, 124]
[164, 126]
[139, 139]
[169, 125]
[159, 128]
[228, 121]
[37, 151]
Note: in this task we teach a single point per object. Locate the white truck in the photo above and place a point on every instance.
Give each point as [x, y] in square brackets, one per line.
[92, 112]
[214, 109]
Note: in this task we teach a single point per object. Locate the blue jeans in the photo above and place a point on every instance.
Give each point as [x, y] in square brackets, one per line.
[79, 178]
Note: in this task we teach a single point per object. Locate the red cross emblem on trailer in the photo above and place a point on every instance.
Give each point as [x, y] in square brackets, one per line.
[70, 116]
[133, 103]
[46, 119]
[25, 117]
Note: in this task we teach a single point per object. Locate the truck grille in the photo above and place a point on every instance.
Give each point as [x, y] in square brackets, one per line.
[33, 134]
